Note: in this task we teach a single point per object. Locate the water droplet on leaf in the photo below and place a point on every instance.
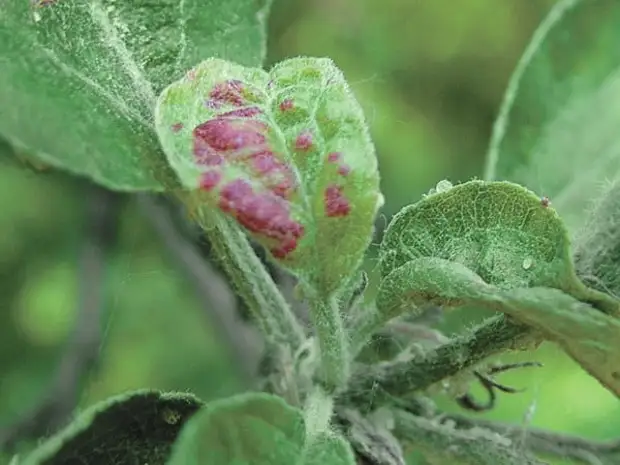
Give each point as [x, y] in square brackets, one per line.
[443, 186]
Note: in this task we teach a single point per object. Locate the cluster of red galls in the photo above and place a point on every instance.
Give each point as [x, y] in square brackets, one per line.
[235, 138]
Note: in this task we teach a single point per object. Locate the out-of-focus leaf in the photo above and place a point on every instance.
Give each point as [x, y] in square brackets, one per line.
[597, 243]
[557, 130]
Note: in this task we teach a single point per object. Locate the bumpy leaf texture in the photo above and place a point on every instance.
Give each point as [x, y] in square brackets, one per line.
[286, 153]
[501, 231]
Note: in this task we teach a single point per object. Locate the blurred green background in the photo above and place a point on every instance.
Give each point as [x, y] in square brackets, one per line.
[430, 76]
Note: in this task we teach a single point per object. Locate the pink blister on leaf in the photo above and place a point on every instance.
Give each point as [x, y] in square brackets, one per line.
[286, 153]
[230, 91]
[259, 199]
[304, 141]
[336, 204]
[287, 104]
[264, 214]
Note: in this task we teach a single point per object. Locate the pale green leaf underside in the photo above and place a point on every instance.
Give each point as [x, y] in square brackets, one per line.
[589, 336]
[254, 429]
[557, 131]
[137, 427]
[80, 78]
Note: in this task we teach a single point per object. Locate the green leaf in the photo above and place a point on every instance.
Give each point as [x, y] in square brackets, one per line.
[286, 153]
[80, 78]
[557, 130]
[254, 429]
[134, 428]
[499, 230]
[589, 336]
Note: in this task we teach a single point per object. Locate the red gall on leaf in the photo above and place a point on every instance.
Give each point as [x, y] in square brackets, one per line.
[304, 141]
[286, 153]
[287, 104]
[336, 204]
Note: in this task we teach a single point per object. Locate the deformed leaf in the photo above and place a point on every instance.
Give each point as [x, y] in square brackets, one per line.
[286, 153]
[589, 336]
[80, 78]
[135, 428]
[500, 230]
[557, 130]
[254, 429]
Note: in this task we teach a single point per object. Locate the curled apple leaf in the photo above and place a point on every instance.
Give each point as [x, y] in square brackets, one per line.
[501, 231]
[137, 427]
[588, 335]
[286, 153]
[254, 429]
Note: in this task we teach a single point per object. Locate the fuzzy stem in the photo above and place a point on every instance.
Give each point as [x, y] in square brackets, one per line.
[253, 282]
[370, 386]
[603, 302]
[331, 334]
[318, 411]
[442, 444]
[547, 443]
[362, 328]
